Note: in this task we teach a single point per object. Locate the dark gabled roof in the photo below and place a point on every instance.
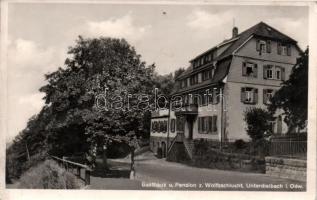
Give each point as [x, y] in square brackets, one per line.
[224, 59]
[220, 73]
[215, 47]
[261, 30]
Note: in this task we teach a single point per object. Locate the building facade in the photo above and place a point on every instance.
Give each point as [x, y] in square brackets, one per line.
[212, 94]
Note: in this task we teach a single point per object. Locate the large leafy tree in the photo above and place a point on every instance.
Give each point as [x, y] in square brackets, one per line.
[292, 97]
[71, 123]
[93, 67]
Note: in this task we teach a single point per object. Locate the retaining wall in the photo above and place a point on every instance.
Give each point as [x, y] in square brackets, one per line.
[286, 168]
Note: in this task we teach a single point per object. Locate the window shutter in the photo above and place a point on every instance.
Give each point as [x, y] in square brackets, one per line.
[244, 69]
[214, 96]
[264, 96]
[257, 45]
[289, 50]
[279, 50]
[199, 124]
[264, 71]
[202, 124]
[268, 46]
[165, 126]
[210, 124]
[283, 73]
[242, 94]
[255, 93]
[214, 123]
[255, 70]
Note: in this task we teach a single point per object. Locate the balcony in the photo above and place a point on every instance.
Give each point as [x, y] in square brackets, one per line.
[189, 109]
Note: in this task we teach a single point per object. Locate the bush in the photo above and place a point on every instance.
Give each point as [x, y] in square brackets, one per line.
[17, 165]
[258, 123]
[48, 175]
[240, 144]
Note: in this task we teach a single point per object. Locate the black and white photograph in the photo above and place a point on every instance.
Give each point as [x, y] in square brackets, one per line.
[156, 96]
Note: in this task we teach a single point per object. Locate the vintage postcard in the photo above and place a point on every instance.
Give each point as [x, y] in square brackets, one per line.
[174, 99]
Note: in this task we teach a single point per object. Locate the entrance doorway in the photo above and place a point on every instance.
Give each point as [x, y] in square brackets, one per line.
[190, 124]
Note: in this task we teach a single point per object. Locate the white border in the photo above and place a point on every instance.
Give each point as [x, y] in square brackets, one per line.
[98, 194]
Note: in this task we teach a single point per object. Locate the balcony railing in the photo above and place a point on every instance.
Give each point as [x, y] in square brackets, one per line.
[189, 109]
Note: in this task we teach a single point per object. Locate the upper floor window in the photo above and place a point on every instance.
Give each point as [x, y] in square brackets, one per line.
[249, 95]
[273, 72]
[268, 95]
[193, 79]
[249, 69]
[263, 46]
[283, 49]
[207, 74]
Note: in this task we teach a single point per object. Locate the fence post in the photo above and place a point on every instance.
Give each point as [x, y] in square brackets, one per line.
[87, 177]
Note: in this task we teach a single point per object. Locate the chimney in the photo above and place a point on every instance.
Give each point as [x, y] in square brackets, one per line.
[234, 32]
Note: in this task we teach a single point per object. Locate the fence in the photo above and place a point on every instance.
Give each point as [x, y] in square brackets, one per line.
[72, 165]
[288, 148]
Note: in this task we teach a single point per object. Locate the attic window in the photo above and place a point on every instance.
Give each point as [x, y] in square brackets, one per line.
[269, 30]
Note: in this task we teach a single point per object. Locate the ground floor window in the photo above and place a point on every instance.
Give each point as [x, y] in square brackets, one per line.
[207, 125]
[172, 125]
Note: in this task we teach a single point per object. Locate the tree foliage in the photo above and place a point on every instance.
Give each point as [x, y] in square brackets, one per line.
[70, 123]
[292, 97]
[258, 123]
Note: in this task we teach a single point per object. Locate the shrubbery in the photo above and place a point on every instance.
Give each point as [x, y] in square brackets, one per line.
[16, 166]
[48, 175]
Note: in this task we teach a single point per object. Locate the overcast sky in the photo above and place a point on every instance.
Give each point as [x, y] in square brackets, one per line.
[167, 35]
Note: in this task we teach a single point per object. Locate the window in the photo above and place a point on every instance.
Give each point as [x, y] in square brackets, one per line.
[215, 96]
[154, 127]
[207, 74]
[194, 79]
[269, 72]
[283, 49]
[278, 73]
[207, 125]
[267, 95]
[273, 72]
[160, 126]
[263, 46]
[214, 123]
[172, 125]
[249, 95]
[165, 126]
[202, 125]
[249, 69]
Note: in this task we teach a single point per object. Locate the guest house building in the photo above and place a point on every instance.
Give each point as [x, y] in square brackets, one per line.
[211, 95]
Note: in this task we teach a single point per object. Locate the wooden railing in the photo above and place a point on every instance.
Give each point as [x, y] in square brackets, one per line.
[73, 165]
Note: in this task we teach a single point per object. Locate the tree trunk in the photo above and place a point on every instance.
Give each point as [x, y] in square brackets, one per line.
[104, 159]
[132, 158]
